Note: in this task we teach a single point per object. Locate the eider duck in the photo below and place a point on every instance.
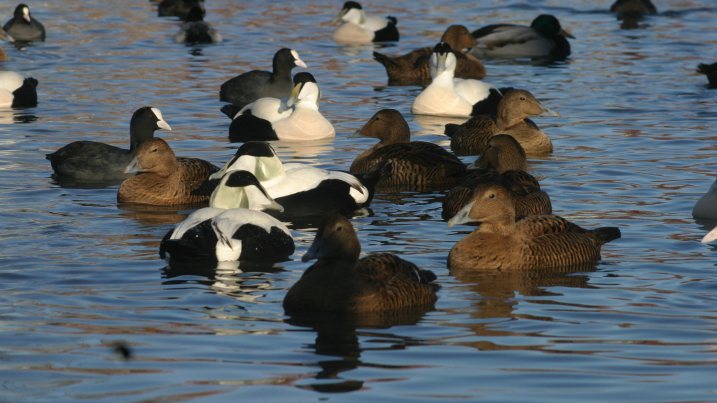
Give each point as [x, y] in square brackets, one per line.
[706, 206]
[633, 7]
[237, 230]
[178, 8]
[255, 84]
[93, 161]
[710, 236]
[471, 137]
[196, 30]
[543, 38]
[165, 180]
[450, 96]
[413, 68]
[3, 55]
[296, 119]
[538, 241]
[413, 163]
[357, 27]
[23, 27]
[303, 190]
[341, 282]
[503, 162]
[17, 91]
[710, 70]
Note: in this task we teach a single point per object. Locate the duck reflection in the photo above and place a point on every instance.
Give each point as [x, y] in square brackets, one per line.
[631, 12]
[435, 125]
[147, 214]
[337, 337]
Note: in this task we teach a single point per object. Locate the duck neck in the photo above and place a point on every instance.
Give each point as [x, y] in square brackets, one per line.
[502, 228]
[507, 119]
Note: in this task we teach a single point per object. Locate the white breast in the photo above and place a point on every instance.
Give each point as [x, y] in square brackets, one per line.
[305, 123]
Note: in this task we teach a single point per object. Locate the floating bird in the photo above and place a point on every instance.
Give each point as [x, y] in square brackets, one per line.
[710, 70]
[633, 7]
[17, 91]
[196, 30]
[23, 27]
[357, 27]
[706, 206]
[178, 8]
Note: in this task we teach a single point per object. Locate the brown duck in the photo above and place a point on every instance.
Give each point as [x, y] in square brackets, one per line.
[341, 282]
[471, 137]
[538, 241]
[413, 69]
[164, 179]
[503, 162]
[413, 163]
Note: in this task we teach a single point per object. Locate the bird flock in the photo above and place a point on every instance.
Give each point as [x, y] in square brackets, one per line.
[242, 207]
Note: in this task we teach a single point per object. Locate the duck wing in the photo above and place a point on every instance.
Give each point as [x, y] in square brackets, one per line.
[471, 137]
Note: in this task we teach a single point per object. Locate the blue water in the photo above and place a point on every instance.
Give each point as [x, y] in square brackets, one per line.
[635, 148]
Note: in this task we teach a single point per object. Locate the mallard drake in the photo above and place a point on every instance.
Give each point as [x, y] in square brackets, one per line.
[413, 163]
[295, 119]
[166, 180]
[543, 38]
[357, 27]
[22, 27]
[17, 91]
[413, 68]
[341, 282]
[450, 96]
[255, 84]
[93, 161]
[537, 241]
[196, 30]
[237, 230]
[471, 137]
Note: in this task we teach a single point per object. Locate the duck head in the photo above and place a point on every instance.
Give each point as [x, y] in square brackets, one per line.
[504, 153]
[153, 156]
[490, 203]
[305, 91]
[351, 12]
[443, 61]
[256, 157]
[335, 239]
[241, 189]
[388, 125]
[519, 104]
[548, 25]
[458, 38]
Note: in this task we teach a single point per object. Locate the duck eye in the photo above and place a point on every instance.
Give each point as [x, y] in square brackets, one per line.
[154, 150]
[522, 98]
[339, 228]
[491, 196]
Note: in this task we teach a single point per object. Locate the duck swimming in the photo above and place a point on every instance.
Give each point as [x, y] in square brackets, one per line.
[341, 282]
[450, 96]
[710, 70]
[538, 241]
[471, 137]
[303, 190]
[233, 231]
[196, 30]
[22, 27]
[413, 163]
[93, 161]
[255, 84]
[17, 91]
[706, 206]
[164, 179]
[178, 8]
[295, 119]
[413, 68]
[357, 27]
[543, 38]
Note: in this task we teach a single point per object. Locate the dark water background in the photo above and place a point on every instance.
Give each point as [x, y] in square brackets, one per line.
[635, 148]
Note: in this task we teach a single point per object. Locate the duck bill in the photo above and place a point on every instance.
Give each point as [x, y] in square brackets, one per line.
[547, 111]
[356, 134]
[163, 125]
[711, 236]
[294, 97]
[26, 15]
[272, 205]
[132, 167]
[340, 16]
[462, 216]
[314, 251]
[565, 34]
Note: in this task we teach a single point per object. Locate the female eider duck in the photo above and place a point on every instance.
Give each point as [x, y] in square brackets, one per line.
[411, 163]
[303, 190]
[255, 84]
[296, 119]
[450, 96]
[23, 27]
[165, 180]
[357, 27]
[17, 91]
[413, 68]
[341, 282]
[93, 161]
[503, 162]
[538, 241]
[471, 137]
[543, 38]
[232, 228]
[178, 8]
[196, 30]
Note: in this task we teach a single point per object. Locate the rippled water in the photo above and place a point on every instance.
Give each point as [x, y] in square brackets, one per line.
[635, 148]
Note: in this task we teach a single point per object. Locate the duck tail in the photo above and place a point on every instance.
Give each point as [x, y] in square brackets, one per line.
[230, 110]
[451, 129]
[374, 176]
[383, 59]
[393, 19]
[607, 234]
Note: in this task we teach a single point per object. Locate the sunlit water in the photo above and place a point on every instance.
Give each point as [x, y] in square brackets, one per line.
[635, 148]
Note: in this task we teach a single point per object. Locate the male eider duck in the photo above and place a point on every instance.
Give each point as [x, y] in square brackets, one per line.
[543, 38]
[17, 91]
[538, 241]
[93, 161]
[471, 137]
[412, 163]
[232, 228]
[710, 70]
[303, 190]
[178, 8]
[196, 30]
[450, 96]
[296, 119]
[357, 27]
[341, 282]
[503, 162]
[165, 180]
[255, 84]
[23, 27]
[413, 68]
